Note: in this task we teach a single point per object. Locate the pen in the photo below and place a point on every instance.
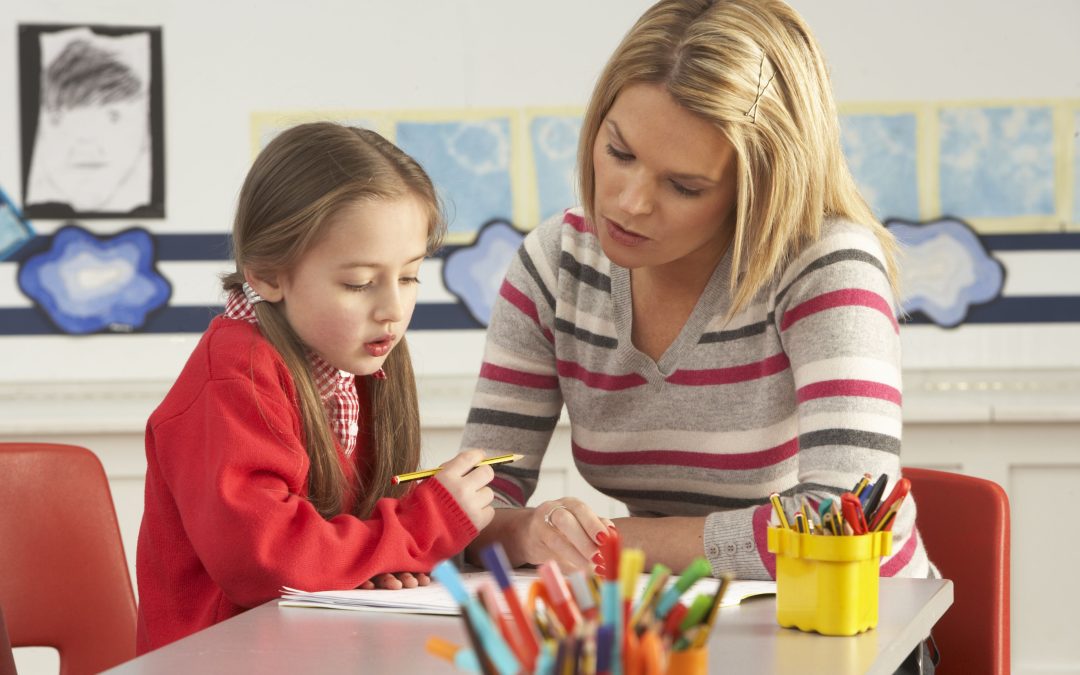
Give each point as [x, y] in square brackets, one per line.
[586, 603]
[853, 513]
[718, 598]
[463, 658]
[878, 491]
[428, 473]
[659, 577]
[562, 602]
[487, 594]
[698, 568]
[895, 497]
[493, 643]
[496, 562]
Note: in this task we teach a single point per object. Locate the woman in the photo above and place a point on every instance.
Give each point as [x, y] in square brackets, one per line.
[718, 319]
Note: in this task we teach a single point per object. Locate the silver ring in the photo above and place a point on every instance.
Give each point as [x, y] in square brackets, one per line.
[547, 518]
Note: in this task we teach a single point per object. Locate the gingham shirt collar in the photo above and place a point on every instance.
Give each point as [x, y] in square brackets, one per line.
[337, 388]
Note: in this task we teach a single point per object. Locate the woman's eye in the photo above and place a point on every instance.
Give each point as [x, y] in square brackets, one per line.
[410, 280]
[358, 287]
[618, 154]
[685, 191]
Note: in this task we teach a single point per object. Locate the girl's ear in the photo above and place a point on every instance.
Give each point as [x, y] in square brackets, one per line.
[268, 286]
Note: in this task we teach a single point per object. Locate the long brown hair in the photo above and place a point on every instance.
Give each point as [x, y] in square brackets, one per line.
[752, 68]
[296, 185]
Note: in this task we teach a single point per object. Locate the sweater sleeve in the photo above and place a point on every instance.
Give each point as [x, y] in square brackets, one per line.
[834, 312]
[517, 401]
[236, 468]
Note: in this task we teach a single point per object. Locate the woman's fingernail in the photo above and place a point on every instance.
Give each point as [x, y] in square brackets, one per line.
[611, 528]
[601, 537]
[598, 558]
[600, 569]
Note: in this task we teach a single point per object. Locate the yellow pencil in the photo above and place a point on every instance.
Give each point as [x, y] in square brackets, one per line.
[428, 473]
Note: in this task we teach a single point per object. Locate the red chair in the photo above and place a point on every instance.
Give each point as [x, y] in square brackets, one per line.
[7, 659]
[964, 524]
[64, 581]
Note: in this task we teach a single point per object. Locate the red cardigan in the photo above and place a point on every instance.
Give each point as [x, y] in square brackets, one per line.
[226, 524]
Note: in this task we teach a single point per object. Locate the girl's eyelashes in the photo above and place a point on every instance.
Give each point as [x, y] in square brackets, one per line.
[619, 155]
[359, 288]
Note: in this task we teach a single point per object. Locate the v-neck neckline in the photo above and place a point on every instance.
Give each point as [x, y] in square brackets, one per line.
[714, 300]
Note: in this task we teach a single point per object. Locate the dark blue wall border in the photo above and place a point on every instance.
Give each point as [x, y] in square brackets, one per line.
[204, 247]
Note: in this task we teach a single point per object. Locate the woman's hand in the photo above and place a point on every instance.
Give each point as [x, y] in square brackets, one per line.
[468, 485]
[396, 581]
[564, 530]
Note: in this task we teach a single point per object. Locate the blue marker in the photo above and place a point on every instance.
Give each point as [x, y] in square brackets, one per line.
[494, 644]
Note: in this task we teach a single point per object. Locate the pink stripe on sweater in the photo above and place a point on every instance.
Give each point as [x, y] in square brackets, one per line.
[847, 297]
[600, 380]
[777, 363]
[519, 300]
[490, 371]
[682, 458]
[578, 223]
[761, 538]
[902, 557]
[863, 388]
[509, 489]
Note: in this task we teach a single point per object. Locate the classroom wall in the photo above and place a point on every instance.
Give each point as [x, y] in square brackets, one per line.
[992, 387]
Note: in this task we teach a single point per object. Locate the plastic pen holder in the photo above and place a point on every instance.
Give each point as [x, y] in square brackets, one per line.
[827, 584]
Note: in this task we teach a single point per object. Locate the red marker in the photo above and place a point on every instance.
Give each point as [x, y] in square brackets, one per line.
[562, 601]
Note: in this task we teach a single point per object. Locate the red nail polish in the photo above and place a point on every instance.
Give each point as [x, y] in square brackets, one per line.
[601, 537]
[598, 558]
[599, 570]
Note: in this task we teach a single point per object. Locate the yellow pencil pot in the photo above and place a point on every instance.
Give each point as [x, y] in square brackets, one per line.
[827, 584]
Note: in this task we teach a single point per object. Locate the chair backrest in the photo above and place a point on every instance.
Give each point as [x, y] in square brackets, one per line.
[7, 659]
[64, 581]
[964, 523]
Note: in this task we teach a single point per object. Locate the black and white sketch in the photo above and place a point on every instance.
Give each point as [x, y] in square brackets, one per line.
[92, 127]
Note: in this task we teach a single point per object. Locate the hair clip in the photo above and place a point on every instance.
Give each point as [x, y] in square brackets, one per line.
[252, 296]
[752, 112]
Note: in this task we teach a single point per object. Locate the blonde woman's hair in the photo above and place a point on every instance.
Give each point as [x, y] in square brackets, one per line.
[297, 184]
[752, 68]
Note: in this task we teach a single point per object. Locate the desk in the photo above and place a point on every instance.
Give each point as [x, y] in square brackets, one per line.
[272, 639]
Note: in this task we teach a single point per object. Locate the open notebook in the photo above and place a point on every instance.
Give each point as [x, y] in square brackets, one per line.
[434, 599]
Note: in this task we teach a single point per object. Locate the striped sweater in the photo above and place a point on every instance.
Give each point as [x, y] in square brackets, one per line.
[798, 394]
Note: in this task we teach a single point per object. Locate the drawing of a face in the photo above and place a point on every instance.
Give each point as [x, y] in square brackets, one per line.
[93, 147]
[90, 153]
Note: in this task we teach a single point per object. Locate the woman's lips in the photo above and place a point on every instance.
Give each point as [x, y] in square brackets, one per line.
[622, 236]
[380, 347]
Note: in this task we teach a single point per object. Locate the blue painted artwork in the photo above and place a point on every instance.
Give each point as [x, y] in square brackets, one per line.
[475, 273]
[997, 162]
[945, 269]
[14, 229]
[469, 162]
[881, 152]
[86, 284]
[1076, 168]
[554, 141]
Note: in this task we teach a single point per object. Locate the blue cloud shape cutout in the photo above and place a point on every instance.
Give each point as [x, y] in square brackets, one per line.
[89, 284]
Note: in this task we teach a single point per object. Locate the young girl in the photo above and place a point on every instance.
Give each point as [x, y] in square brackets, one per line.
[269, 462]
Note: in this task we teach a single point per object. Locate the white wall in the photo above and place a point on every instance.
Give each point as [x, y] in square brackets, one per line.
[999, 401]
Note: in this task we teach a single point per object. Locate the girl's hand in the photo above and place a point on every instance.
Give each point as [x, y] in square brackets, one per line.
[468, 485]
[564, 530]
[396, 581]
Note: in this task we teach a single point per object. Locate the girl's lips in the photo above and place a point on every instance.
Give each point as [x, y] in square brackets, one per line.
[380, 347]
[624, 237]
